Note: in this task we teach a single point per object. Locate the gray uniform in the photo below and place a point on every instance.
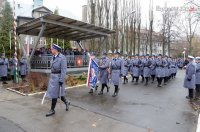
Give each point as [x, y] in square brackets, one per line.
[136, 67]
[159, 68]
[189, 81]
[165, 68]
[116, 70]
[3, 67]
[23, 67]
[104, 70]
[58, 73]
[125, 67]
[153, 67]
[197, 75]
[147, 70]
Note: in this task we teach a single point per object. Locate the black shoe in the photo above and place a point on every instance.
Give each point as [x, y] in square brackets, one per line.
[152, 82]
[114, 95]
[100, 93]
[165, 83]
[124, 83]
[91, 91]
[108, 89]
[5, 83]
[159, 85]
[50, 113]
[67, 105]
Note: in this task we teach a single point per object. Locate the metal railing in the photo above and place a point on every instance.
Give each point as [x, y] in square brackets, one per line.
[73, 61]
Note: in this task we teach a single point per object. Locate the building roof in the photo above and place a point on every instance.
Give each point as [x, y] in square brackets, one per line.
[63, 28]
[42, 7]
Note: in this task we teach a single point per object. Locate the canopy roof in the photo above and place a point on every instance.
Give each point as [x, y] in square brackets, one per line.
[62, 28]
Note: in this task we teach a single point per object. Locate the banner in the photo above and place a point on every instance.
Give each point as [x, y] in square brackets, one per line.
[92, 74]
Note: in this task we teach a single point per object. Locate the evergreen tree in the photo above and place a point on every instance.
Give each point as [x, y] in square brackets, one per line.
[6, 25]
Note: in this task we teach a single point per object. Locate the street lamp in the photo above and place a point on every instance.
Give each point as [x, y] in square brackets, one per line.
[123, 20]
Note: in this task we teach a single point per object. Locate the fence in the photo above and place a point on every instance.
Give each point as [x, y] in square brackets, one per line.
[73, 61]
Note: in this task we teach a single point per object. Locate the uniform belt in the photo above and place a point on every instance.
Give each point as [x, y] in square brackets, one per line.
[115, 69]
[55, 72]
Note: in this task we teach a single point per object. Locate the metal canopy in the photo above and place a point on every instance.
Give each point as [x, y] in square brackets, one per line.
[62, 28]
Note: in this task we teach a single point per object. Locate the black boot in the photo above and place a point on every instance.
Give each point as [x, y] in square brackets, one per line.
[108, 88]
[124, 80]
[142, 79]
[53, 105]
[146, 81]
[137, 78]
[102, 88]
[67, 103]
[91, 91]
[116, 91]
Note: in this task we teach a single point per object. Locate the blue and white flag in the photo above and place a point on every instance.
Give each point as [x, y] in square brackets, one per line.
[92, 74]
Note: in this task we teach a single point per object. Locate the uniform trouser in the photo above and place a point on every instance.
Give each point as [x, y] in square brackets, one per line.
[153, 77]
[197, 90]
[137, 78]
[165, 79]
[159, 79]
[125, 79]
[54, 101]
[142, 78]
[104, 85]
[191, 93]
[147, 79]
[4, 78]
[23, 77]
[116, 88]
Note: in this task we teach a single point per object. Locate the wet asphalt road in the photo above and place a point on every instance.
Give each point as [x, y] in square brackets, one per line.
[162, 109]
[137, 109]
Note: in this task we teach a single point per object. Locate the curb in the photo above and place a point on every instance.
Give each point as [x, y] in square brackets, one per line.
[198, 124]
[38, 93]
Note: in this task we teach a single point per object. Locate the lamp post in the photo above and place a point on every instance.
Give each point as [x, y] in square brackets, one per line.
[123, 20]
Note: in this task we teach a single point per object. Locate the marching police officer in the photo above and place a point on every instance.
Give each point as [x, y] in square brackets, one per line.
[125, 69]
[159, 70]
[189, 81]
[116, 72]
[153, 68]
[136, 68]
[57, 79]
[4, 68]
[197, 75]
[23, 68]
[103, 67]
[146, 71]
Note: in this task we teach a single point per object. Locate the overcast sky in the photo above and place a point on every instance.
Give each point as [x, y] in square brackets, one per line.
[73, 8]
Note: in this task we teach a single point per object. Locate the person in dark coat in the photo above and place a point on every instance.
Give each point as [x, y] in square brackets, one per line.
[4, 68]
[23, 68]
[116, 72]
[197, 75]
[57, 79]
[190, 79]
[103, 67]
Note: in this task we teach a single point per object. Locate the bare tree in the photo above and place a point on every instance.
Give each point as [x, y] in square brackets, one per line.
[115, 24]
[139, 24]
[107, 4]
[150, 25]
